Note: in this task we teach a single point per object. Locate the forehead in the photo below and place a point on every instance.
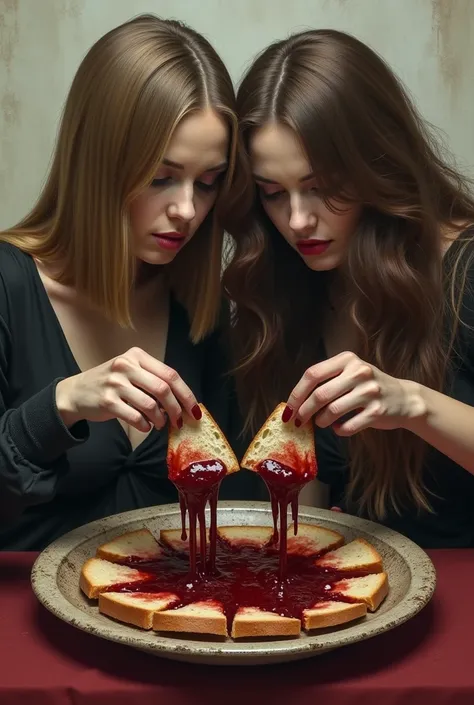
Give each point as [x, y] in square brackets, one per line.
[277, 154]
[201, 138]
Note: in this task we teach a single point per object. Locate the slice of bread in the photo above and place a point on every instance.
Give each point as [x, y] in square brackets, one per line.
[139, 544]
[205, 617]
[135, 608]
[312, 540]
[253, 622]
[198, 441]
[285, 443]
[331, 614]
[240, 536]
[370, 589]
[355, 555]
[97, 575]
[172, 539]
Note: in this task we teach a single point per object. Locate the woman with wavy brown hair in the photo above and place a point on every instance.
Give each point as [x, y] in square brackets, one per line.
[352, 276]
[110, 292]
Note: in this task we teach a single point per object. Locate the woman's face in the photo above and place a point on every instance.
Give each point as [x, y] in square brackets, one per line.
[290, 197]
[166, 215]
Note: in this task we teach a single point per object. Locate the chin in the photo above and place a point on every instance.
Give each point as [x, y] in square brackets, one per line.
[156, 258]
[321, 264]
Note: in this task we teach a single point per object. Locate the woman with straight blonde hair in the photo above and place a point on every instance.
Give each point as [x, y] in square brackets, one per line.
[353, 283]
[110, 288]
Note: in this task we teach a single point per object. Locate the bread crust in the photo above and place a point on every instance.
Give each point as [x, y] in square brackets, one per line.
[205, 617]
[132, 608]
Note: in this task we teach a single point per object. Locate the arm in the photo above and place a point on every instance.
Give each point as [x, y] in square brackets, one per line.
[445, 423]
[33, 441]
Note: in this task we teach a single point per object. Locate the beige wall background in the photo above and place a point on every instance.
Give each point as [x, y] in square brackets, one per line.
[427, 42]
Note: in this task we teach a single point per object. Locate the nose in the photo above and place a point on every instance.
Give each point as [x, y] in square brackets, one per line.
[182, 205]
[302, 219]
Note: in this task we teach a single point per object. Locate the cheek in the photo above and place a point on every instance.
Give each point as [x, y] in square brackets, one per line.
[203, 205]
[138, 211]
[278, 214]
[343, 223]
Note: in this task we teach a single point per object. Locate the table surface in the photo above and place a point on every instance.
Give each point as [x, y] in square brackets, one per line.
[429, 659]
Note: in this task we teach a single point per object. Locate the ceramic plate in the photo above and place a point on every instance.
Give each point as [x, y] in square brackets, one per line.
[55, 580]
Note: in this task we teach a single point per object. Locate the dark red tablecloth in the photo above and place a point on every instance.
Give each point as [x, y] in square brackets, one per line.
[429, 660]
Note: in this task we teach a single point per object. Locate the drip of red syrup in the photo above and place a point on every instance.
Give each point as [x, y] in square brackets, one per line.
[284, 485]
[197, 484]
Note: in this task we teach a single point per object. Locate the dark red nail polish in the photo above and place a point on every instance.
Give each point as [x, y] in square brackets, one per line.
[297, 423]
[196, 412]
[287, 414]
[179, 422]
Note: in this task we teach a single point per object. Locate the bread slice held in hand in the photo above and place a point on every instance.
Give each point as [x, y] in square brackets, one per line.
[198, 441]
[285, 444]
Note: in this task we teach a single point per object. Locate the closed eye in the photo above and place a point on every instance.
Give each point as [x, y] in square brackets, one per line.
[271, 196]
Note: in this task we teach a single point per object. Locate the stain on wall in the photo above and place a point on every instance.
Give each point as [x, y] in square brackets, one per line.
[9, 31]
[9, 102]
[453, 25]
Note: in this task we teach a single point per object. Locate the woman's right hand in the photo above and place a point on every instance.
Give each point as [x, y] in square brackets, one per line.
[133, 387]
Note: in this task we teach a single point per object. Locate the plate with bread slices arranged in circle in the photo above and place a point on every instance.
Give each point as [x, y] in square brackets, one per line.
[279, 581]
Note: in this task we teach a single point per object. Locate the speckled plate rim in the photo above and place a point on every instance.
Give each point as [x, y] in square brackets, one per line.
[422, 585]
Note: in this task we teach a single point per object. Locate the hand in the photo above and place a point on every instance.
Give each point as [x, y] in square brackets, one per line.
[343, 385]
[133, 387]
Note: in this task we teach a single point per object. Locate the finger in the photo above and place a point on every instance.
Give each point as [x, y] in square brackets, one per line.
[357, 399]
[336, 509]
[159, 391]
[144, 404]
[126, 413]
[359, 422]
[313, 377]
[324, 395]
[178, 387]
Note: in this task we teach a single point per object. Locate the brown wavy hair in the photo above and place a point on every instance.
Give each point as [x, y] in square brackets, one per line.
[133, 87]
[359, 128]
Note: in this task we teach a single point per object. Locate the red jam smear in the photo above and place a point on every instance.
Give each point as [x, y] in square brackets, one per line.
[244, 577]
[197, 484]
[284, 485]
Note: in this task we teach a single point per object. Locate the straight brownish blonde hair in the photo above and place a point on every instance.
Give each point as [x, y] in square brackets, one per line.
[128, 95]
[360, 130]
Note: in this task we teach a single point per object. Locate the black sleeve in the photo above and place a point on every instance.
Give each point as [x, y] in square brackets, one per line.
[220, 398]
[33, 441]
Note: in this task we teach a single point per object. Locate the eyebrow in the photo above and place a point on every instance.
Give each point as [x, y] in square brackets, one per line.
[176, 165]
[257, 177]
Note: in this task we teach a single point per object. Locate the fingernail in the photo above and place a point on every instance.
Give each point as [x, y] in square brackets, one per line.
[179, 422]
[287, 414]
[336, 509]
[196, 412]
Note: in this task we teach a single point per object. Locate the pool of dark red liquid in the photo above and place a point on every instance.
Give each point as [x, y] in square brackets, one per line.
[244, 576]
[237, 575]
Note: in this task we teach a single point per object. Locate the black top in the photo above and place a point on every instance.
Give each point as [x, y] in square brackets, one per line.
[53, 479]
[451, 525]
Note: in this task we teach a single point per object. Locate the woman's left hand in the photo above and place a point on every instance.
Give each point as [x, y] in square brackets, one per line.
[344, 385]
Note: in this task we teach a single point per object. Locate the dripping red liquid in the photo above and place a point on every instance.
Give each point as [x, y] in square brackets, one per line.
[284, 485]
[198, 484]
